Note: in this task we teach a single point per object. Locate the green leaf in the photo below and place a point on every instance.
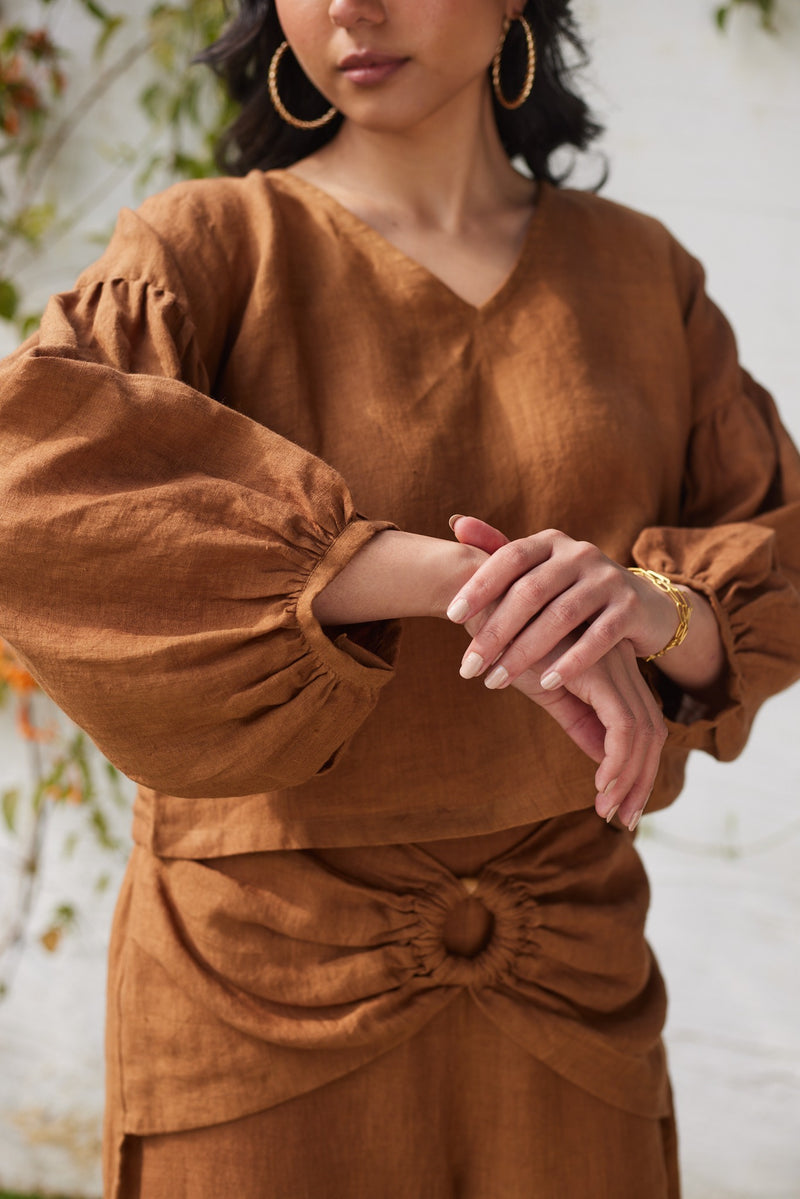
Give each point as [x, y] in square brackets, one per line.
[110, 27]
[95, 10]
[766, 9]
[151, 166]
[153, 101]
[118, 796]
[66, 915]
[9, 300]
[101, 830]
[77, 753]
[10, 802]
[34, 221]
[52, 782]
[64, 919]
[29, 324]
[12, 38]
[189, 167]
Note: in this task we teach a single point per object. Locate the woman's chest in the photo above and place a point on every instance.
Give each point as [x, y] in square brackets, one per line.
[533, 418]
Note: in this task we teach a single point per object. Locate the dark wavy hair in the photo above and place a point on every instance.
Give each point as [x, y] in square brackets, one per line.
[553, 116]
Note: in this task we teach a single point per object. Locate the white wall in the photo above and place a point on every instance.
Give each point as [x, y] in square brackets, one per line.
[703, 133]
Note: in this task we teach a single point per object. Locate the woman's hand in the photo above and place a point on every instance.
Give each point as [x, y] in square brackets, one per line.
[546, 588]
[610, 713]
[612, 717]
[605, 707]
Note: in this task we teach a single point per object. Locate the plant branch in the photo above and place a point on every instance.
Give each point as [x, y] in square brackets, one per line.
[52, 145]
[730, 851]
[13, 941]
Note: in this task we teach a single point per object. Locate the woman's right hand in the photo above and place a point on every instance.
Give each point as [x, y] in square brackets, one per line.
[610, 713]
[608, 710]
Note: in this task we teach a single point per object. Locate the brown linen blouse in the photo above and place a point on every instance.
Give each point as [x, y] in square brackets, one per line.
[188, 443]
[188, 446]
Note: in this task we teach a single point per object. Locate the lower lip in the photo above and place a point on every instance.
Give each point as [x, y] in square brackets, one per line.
[377, 73]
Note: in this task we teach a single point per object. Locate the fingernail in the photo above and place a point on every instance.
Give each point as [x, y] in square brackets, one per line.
[612, 814]
[458, 610]
[610, 786]
[472, 665]
[551, 680]
[635, 821]
[453, 519]
[498, 678]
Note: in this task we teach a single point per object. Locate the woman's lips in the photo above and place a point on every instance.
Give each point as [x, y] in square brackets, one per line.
[370, 68]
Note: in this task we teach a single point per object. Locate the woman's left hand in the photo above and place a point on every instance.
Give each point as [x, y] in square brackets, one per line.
[546, 588]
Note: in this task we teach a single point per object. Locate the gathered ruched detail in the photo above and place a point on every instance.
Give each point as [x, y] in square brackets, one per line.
[511, 912]
[198, 540]
[299, 966]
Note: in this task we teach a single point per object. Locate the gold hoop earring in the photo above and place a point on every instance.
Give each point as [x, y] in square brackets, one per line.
[530, 72]
[280, 107]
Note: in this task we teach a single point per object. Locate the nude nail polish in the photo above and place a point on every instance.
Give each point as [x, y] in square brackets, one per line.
[551, 680]
[458, 611]
[612, 814]
[497, 679]
[471, 666]
[453, 519]
[634, 822]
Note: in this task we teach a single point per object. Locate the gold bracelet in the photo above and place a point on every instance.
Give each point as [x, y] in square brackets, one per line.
[680, 601]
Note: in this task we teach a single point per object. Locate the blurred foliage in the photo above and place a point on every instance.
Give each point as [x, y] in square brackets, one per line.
[18, 1195]
[45, 100]
[765, 8]
[44, 103]
[64, 769]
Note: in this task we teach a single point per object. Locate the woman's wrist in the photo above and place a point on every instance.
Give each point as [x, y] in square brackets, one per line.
[394, 575]
[698, 662]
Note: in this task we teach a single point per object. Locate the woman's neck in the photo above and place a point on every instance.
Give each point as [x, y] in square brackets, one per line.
[444, 174]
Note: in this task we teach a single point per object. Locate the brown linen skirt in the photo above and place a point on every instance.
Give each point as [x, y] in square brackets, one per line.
[369, 1022]
[457, 1112]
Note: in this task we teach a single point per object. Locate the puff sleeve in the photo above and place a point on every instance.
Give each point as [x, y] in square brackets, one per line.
[738, 540]
[160, 552]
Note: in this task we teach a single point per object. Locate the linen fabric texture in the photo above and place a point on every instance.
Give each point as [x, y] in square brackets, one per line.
[176, 443]
[248, 386]
[497, 1123]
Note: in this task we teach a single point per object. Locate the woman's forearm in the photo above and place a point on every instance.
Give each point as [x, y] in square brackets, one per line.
[397, 574]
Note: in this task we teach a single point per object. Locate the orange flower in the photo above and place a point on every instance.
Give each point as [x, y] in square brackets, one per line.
[27, 96]
[64, 793]
[52, 938]
[27, 729]
[11, 122]
[12, 673]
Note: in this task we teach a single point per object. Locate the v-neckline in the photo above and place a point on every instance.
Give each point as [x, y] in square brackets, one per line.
[367, 232]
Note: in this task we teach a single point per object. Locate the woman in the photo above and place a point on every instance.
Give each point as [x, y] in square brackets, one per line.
[382, 931]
